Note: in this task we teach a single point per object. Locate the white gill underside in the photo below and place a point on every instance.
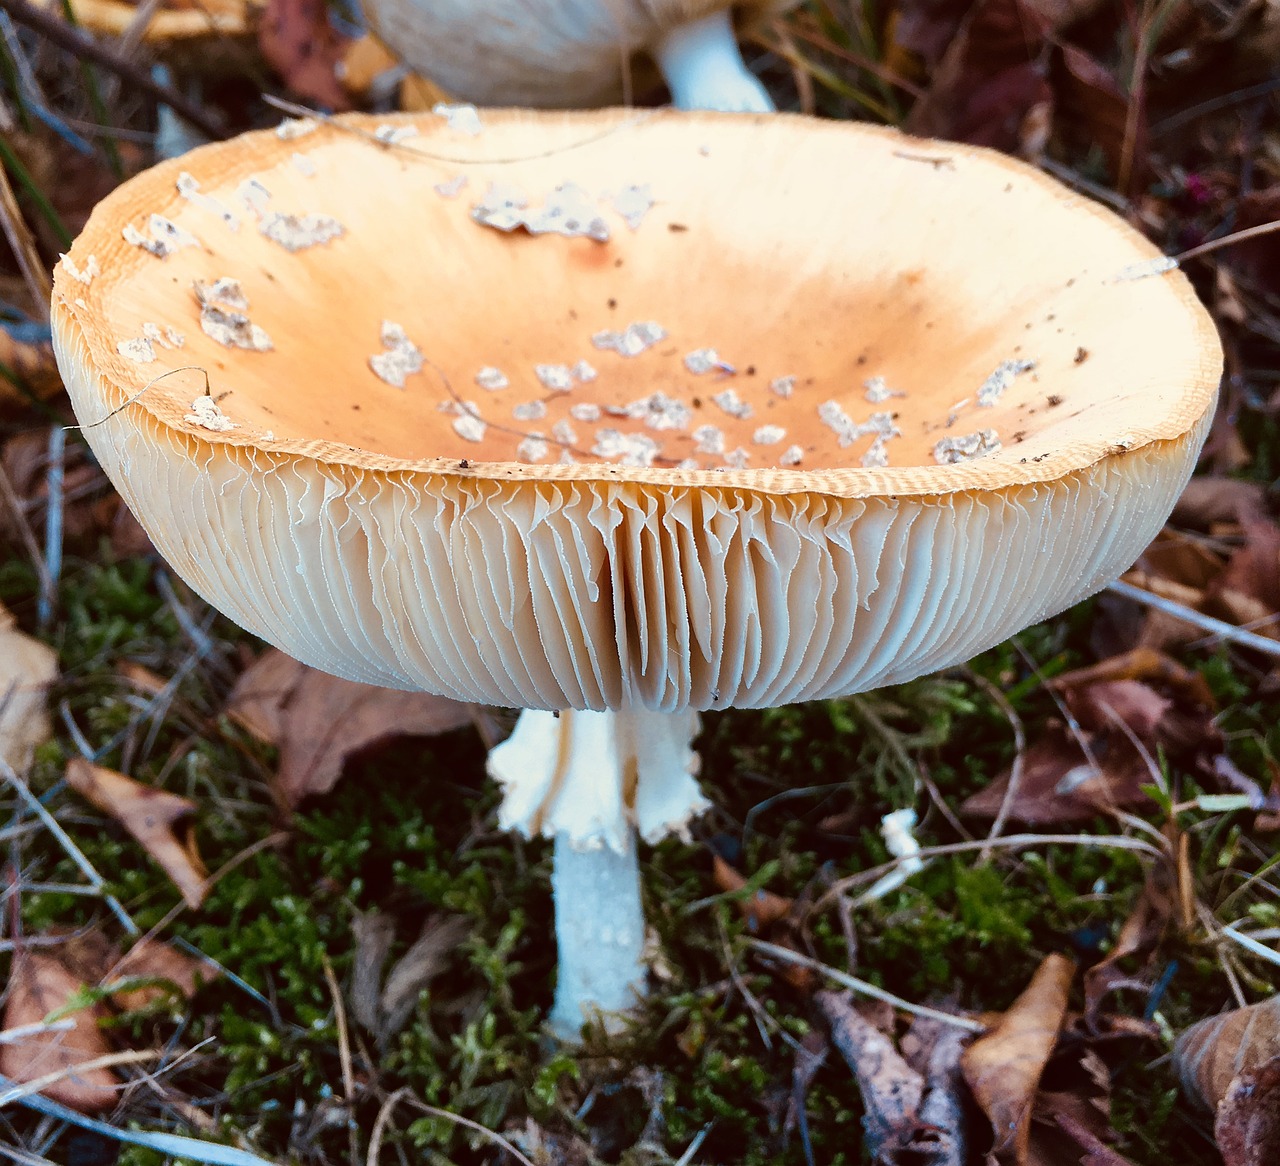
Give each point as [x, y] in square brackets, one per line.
[595, 595]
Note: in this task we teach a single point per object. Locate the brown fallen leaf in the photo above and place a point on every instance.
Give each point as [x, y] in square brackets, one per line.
[319, 721]
[1003, 1066]
[31, 363]
[760, 910]
[299, 42]
[892, 1091]
[153, 959]
[27, 669]
[161, 822]
[38, 985]
[1212, 1053]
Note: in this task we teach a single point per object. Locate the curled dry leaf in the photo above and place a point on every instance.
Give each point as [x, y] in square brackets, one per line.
[1003, 1067]
[893, 1093]
[760, 910]
[1210, 1055]
[27, 669]
[161, 822]
[40, 984]
[319, 721]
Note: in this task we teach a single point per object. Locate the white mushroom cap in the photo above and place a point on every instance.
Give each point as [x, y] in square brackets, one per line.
[552, 54]
[392, 535]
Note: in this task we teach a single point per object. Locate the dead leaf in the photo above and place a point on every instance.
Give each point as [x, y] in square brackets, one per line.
[160, 821]
[1247, 1128]
[1212, 1053]
[319, 721]
[421, 964]
[1003, 1066]
[1157, 907]
[1207, 502]
[1060, 783]
[891, 1089]
[760, 910]
[153, 959]
[38, 985]
[27, 669]
[299, 42]
[28, 355]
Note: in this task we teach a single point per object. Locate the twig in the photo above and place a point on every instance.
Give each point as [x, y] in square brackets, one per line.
[59, 33]
[491, 1135]
[864, 987]
[1225, 241]
[1007, 842]
[380, 1124]
[72, 850]
[23, 246]
[54, 476]
[1189, 615]
[344, 1053]
[1015, 772]
[39, 1084]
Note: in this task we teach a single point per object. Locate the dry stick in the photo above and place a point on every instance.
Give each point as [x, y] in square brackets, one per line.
[380, 1124]
[1215, 627]
[1225, 241]
[84, 47]
[865, 988]
[458, 1119]
[344, 1053]
[1007, 842]
[1015, 772]
[23, 245]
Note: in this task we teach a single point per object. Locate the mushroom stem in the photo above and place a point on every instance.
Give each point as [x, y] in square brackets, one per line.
[593, 782]
[599, 934]
[704, 69]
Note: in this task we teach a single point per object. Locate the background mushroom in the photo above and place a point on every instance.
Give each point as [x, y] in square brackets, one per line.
[524, 462]
[552, 54]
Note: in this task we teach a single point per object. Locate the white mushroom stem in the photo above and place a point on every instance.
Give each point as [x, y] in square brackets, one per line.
[593, 781]
[704, 69]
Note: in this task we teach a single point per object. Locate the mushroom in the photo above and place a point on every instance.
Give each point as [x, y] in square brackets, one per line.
[557, 54]
[638, 426]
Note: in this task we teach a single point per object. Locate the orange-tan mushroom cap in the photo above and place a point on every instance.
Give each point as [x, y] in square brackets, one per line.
[619, 410]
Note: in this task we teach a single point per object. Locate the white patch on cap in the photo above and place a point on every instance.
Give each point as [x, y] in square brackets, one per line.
[704, 360]
[995, 386]
[138, 349]
[303, 165]
[634, 449]
[564, 433]
[708, 439]
[793, 455]
[492, 379]
[783, 386]
[469, 425]
[401, 359]
[529, 411]
[556, 377]
[461, 118]
[223, 316]
[877, 390]
[632, 203]
[392, 135]
[1146, 268]
[768, 435]
[206, 414]
[253, 195]
[293, 128]
[189, 188]
[452, 188]
[736, 459]
[731, 403]
[585, 411]
[81, 275]
[568, 210]
[583, 372]
[962, 449]
[533, 448]
[163, 239]
[631, 341]
[298, 232]
[658, 411]
[167, 337]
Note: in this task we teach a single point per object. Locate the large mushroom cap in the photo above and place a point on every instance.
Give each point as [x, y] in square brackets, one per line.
[553, 54]
[403, 475]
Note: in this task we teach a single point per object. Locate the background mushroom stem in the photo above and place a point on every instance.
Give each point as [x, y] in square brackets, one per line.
[595, 782]
[704, 69]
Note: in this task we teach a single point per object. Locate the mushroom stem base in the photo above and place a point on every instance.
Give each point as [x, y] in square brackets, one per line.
[703, 67]
[600, 935]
